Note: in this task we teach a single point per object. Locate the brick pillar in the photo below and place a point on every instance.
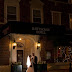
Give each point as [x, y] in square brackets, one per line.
[25, 11]
[4, 50]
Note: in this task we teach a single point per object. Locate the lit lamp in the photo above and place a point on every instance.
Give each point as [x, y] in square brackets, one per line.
[14, 44]
[38, 45]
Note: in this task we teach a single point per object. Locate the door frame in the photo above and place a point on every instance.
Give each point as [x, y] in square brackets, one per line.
[22, 55]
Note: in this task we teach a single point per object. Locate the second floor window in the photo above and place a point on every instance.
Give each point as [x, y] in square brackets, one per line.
[56, 18]
[36, 16]
[11, 13]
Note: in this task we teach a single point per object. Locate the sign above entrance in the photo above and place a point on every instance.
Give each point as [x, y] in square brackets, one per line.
[40, 30]
[32, 28]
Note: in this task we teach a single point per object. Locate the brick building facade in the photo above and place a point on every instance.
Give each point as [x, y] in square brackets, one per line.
[54, 12]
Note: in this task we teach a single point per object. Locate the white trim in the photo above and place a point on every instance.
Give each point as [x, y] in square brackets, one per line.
[59, 14]
[36, 9]
[40, 12]
[36, 4]
[15, 4]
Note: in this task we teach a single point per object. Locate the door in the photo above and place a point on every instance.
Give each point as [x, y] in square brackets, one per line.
[20, 56]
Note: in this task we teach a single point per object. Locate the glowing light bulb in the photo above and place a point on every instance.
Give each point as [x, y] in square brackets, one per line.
[14, 44]
[20, 39]
[38, 44]
[59, 48]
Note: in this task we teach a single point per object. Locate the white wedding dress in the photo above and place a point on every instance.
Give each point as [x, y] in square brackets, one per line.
[29, 65]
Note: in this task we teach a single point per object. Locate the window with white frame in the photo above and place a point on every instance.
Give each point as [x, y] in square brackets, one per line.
[11, 13]
[36, 16]
[56, 18]
[11, 10]
[70, 21]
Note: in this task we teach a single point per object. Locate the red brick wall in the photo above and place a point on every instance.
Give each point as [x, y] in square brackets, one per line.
[1, 10]
[4, 50]
[65, 20]
[64, 8]
[49, 6]
[25, 11]
[46, 45]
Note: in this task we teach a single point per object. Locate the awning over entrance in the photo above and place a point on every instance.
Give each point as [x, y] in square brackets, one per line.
[32, 28]
[54, 32]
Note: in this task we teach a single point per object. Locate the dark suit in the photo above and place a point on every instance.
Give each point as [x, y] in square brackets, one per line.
[35, 64]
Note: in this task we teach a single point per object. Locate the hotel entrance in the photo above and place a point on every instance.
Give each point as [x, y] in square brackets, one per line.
[20, 56]
[25, 46]
[26, 39]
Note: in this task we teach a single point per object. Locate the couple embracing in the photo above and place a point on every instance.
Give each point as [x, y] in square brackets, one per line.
[31, 63]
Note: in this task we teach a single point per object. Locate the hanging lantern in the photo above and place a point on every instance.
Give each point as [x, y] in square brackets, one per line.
[14, 44]
[38, 45]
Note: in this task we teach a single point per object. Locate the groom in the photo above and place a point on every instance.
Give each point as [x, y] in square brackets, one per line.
[34, 62]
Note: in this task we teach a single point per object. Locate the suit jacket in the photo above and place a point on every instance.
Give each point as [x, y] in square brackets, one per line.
[35, 59]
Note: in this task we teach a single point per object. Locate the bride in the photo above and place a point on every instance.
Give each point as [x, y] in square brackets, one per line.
[29, 64]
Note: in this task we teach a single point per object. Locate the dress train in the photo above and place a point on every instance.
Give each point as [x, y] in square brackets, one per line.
[30, 69]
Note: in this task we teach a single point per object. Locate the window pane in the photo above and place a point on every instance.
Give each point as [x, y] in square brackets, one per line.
[37, 20]
[36, 13]
[11, 10]
[48, 55]
[36, 16]
[11, 17]
[11, 13]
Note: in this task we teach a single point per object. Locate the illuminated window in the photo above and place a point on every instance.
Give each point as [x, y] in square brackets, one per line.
[48, 55]
[56, 18]
[36, 16]
[11, 13]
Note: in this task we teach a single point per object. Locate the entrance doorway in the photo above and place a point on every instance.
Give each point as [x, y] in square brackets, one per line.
[20, 56]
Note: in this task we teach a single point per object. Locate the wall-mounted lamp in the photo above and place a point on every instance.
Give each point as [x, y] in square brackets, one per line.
[38, 45]
[20, 39]
[14, 44]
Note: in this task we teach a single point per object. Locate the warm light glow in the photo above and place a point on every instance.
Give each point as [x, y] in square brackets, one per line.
[70, 19]
[59, 48]
[38, 44]
[20, 39]
[14, 44]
